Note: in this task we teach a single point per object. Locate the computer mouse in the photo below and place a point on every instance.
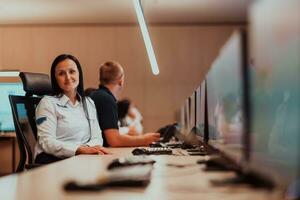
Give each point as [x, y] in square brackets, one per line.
[139, 151]
[115, 164]
[155, 144]
[202, 148]
[187, 146]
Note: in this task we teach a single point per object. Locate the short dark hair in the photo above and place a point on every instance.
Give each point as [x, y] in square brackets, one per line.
[110, 72]
[55, 87]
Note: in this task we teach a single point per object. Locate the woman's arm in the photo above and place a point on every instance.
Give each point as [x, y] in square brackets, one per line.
[96, 134]
[46, 120]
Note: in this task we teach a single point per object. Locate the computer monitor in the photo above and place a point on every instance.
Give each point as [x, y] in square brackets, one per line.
[225, 99]
[182, 116]
[200, 112]
[198, 104]
[6, 119]
[192, 112]
[187, 121]
[275, 93]
[186, 116]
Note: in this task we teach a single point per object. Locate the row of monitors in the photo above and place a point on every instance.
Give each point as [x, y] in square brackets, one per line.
[251, 109]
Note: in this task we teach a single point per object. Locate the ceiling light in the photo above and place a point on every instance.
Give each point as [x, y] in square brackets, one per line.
[146, 37]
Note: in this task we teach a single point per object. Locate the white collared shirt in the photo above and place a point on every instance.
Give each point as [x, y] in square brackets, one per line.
[63, 127]
[134, 122]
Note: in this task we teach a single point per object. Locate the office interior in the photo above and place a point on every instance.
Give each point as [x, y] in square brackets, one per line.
[189, 39]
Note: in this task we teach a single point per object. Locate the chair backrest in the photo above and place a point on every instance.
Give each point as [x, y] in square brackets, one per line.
[35, 84]
[21, 107]
[23, 110]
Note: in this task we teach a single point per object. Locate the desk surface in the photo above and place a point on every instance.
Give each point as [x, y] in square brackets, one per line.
[7, 135]
[167, 182]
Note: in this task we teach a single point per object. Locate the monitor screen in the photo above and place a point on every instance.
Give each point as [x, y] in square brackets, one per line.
[187, 126]
[225, 98]
[6, 119]
[275, 93]
[192, 106]
[184, 118]
[198, 105]
[200, 110]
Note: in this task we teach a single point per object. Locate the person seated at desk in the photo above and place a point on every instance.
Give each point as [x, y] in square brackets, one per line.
[130, 118]
[89, 91]
[105, 98]
[66, 121]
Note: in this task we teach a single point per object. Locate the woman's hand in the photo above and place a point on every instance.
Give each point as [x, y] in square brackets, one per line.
[92, 150]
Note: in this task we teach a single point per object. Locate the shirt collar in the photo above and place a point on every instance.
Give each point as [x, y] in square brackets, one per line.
[64, 100]
[102, 87]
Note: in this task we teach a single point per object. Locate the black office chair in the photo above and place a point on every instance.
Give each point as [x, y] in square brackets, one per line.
[23, 110]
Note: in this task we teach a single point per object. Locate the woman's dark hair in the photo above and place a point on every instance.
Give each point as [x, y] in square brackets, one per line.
[57, 91]
[123, 107]
[55, 87]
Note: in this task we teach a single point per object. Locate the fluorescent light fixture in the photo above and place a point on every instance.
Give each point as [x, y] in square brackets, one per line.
[9, 73]
[146, 37]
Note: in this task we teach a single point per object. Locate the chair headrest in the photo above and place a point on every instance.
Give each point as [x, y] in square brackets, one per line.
[36, 83]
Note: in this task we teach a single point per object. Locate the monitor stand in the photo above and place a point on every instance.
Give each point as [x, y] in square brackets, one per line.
[253, 179]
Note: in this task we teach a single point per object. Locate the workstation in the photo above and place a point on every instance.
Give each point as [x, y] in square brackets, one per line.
[225, 100]
[172, 178]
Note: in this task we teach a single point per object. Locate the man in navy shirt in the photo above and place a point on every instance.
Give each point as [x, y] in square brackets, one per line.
[105, 98]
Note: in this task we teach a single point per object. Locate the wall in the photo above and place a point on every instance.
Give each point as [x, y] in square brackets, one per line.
[184, 54]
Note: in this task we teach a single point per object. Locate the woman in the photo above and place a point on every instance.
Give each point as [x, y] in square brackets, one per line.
[130, 119]
[67, 120]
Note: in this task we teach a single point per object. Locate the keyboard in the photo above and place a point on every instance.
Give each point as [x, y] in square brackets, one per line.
[159, 150]
[152, 151]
